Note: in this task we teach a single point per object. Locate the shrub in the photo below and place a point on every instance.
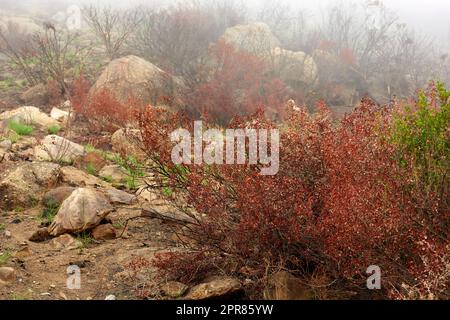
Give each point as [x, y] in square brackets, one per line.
[235, 84]
[343, 200]
[102, 110]
[19, 128]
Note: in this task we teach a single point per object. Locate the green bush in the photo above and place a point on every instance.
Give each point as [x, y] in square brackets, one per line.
[54, 129]
[421, 135]
[20, 129]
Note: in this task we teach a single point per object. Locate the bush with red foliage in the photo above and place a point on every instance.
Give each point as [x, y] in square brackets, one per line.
[102, 110]
[235, 83]
[340, 202]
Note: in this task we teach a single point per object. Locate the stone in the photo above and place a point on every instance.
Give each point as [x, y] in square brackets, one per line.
[104, 232]
[55, 197]
[78, 178]
[131, 77]
[114, 173]
[40, 235]
[128, 141]
[8, 234]
[59, 115]
[110, 297]
[218, 287]
[255, 38]
[23, 186]
[36, 95]
[120, 197]
[296, 69]
[5, 145]
[25, 143]
[65, 242]
[285, 286]
[58, 149]
[83, 210]
[28, 115]
[7, 275]
[174, 289]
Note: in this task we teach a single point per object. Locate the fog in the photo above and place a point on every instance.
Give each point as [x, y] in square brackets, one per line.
[428, 16]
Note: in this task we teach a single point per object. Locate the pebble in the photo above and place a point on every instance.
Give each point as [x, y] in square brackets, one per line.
[8, 234]
[110, 297]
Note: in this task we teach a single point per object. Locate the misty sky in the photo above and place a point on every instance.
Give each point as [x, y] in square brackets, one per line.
[425, 16]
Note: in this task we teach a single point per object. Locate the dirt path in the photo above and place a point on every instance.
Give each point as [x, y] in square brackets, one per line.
[42, 269]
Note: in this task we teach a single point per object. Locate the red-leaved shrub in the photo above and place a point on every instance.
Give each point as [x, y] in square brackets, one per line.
[102, 110]
[341, 202]
[235, 83]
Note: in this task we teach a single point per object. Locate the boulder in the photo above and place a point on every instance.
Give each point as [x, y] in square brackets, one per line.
[65, 242]
[256, 38]
[77, 178]
[36, 96]
[5, 145]
[58, 149]
[297, 69]
[219, 287]
[104, 232]
[113, 173]
[57, 196]
[83, 210]
[134, 78]
[129, 142]
[59, 115]
[28, 115]
[25, 143]
[24, 186]
[7, 275]
[284, 286]
[116, 196]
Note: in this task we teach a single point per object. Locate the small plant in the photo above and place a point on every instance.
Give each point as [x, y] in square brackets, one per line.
[54, 129]
[4, 257]
[85, 239]
[13, 137]
[20, 296]
[134, 170]
[91, 169]
[2, 227]
[108, 179]
[118, 225]
[49, 213]
[20, 129]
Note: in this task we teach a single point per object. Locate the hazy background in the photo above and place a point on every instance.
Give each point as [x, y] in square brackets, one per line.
[427, 16]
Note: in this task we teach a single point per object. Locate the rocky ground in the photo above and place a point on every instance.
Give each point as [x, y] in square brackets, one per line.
[56, 212]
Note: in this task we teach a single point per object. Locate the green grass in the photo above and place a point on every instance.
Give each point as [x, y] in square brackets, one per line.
[54, 129]
[118, 225]
[20, 296]
[108, 179]
[85, 239]
[133, 168]
[4, 257]
[91, 169]
[20, 129]
[49, 213]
